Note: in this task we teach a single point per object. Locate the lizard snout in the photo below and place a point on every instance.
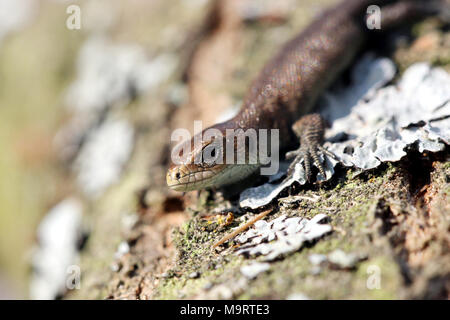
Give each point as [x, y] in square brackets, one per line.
[174, 179]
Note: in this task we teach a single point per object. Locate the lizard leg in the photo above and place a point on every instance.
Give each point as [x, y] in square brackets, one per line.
[293, 154]
[310, 130]
[298, 155]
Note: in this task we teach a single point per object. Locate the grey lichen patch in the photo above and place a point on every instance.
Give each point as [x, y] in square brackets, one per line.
[250, 271]
[281, 236]
[103, 157]
[59, 235]
[343, 260]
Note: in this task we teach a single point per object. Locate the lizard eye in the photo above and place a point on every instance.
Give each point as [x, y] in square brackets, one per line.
[211, 154]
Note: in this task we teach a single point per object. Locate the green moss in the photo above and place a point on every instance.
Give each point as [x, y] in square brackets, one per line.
[378, 278]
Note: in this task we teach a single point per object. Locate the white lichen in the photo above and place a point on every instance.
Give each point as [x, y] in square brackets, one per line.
[252, 270]
[100, 161]
[58, 237]
[281, 236]
[110, 75]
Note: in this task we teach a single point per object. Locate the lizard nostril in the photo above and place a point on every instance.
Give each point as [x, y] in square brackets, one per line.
[177, 175]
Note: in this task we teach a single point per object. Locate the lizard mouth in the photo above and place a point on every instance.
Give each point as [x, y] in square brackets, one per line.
[189, 177]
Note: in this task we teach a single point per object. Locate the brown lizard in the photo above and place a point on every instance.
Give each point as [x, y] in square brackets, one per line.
[287, 89]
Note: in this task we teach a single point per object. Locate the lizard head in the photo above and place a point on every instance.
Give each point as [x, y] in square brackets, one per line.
[196, 167]
[201, 163]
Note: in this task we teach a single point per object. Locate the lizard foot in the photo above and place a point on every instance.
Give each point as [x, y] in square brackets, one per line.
[310, 130]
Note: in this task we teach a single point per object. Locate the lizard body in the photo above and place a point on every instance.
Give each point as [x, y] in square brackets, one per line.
[287, 89]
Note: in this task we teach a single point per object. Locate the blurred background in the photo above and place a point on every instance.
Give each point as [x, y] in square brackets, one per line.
[67, 75]
[89, 93]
